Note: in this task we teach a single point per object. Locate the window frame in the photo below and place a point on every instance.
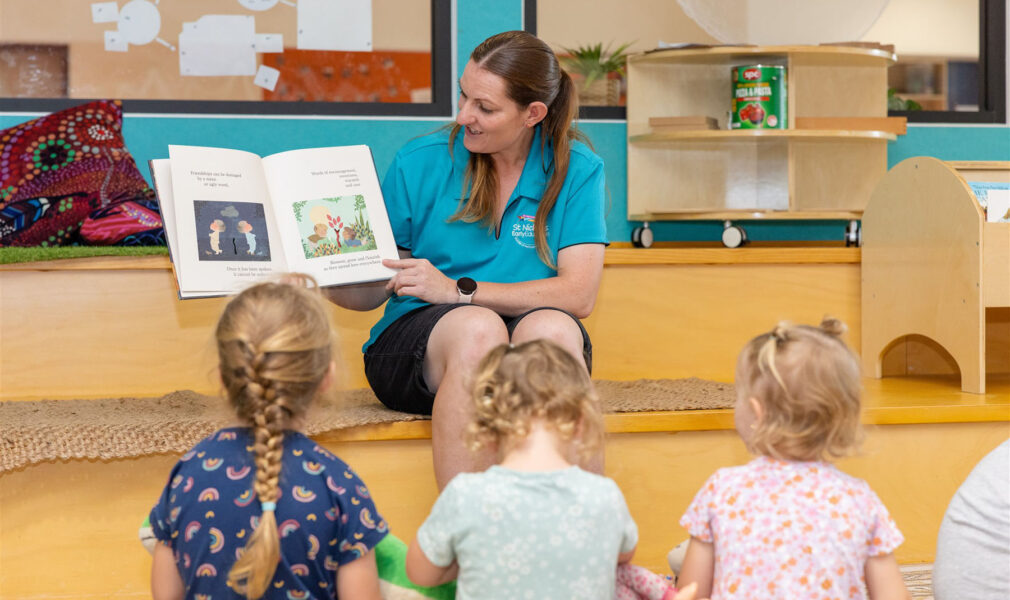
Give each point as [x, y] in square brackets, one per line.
[440, 106]
[992, 72]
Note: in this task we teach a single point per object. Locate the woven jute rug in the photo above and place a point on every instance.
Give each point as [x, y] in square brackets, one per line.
[44, 430]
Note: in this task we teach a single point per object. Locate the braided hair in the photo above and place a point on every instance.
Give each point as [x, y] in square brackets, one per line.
[274, 345]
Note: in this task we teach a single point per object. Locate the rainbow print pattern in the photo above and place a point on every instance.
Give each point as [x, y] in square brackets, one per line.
[188, 455]
[209, 495]
[324, 452]
[302, 494]
[245, 499]
[216, 540]
[334, 487]
[357, 548]
[313, 468]
[191, 529]
[207, 542]
[236, 474]
[212, 464]
[366, 518]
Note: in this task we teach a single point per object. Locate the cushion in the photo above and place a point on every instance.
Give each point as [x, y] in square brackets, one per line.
[45, 221]
[78, 150]
[132, 223]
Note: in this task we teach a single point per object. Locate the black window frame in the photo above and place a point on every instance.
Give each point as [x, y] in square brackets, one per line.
[440, 106]
[992, 73]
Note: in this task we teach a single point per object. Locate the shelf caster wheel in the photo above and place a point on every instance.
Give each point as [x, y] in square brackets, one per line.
[733, 236]
[642, 237]
[853, 234]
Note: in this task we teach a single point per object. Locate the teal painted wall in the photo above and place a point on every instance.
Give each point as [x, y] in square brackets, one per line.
[148, 137]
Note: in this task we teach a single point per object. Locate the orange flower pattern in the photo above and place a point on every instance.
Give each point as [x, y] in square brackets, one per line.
[785, 529]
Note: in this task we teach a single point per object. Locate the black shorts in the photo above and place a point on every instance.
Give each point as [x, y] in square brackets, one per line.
[394, 363]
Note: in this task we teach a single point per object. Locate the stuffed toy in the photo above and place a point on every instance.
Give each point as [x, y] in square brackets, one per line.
[637, 583]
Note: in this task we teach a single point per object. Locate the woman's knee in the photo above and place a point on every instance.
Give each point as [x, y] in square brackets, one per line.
[554, 325]
[467, 333]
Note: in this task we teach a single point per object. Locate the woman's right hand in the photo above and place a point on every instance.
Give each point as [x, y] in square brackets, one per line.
[419, 278]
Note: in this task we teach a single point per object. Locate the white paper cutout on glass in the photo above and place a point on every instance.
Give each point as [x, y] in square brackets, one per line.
[335, 25]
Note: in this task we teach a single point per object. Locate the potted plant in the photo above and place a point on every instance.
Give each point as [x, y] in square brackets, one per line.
[593, 64]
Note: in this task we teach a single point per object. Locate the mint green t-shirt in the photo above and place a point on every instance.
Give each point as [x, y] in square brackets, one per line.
[535, 535]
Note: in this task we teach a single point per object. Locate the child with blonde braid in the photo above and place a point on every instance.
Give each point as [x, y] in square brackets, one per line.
[789, 524]
[535, 525]
[260, 510]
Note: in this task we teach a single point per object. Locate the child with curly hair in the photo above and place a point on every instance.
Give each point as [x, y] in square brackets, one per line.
[535, 525]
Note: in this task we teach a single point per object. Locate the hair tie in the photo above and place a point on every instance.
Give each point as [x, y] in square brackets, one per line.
[268, 506]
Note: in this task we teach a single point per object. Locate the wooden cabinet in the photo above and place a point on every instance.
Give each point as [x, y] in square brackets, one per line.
[934, 268]
[791, 173]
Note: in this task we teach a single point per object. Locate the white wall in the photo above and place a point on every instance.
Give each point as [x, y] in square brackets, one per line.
[916, 27]
[929, 27]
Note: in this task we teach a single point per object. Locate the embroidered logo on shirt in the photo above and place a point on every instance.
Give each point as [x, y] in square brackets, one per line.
[522, 231]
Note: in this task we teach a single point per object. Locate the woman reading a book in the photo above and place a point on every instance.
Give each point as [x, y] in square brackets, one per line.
[500, 223]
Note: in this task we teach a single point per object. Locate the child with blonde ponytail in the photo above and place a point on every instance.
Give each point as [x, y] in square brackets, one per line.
[260, 510]
[789, 524]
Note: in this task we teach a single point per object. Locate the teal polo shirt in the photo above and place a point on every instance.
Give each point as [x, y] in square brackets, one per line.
[422, 190]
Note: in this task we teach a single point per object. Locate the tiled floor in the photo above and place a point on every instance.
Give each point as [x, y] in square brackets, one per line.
[919, 580]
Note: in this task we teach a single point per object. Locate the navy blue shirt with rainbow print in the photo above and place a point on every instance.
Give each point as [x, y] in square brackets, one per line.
[325, 515]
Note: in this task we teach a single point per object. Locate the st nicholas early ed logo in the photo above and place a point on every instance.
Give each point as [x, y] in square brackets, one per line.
[522, 231]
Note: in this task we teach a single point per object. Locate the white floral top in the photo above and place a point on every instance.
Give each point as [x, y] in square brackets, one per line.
[520, 535]
[790, 530]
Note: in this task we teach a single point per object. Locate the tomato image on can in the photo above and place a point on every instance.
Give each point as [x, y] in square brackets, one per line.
[759, 97]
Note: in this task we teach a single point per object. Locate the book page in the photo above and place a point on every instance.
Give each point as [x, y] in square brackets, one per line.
[225, 230]
[331, 214]
[161, 173]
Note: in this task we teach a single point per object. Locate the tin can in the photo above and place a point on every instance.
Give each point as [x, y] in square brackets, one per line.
[759, 97]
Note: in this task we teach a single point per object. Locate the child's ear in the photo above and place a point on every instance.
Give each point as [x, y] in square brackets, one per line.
[756, 409]
[329, 379]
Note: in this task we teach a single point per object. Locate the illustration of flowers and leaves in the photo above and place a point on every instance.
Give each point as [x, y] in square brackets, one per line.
[330, 226]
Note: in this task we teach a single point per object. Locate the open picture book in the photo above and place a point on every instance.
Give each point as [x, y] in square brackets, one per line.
[233, 219]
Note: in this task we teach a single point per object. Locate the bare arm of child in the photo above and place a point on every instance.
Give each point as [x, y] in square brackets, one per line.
[698, 567]
[423, 572]
[883, 578]
[166, 583]
[359, 579]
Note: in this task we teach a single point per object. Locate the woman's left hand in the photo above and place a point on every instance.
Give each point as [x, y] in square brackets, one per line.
[419, 278]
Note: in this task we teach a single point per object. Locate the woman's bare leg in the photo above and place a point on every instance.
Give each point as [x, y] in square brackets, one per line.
[456, 346]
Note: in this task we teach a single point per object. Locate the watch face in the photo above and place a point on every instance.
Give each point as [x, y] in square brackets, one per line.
[465, 285]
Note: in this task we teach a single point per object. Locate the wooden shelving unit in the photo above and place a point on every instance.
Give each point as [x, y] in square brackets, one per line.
[932, 266]
[747, 174]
